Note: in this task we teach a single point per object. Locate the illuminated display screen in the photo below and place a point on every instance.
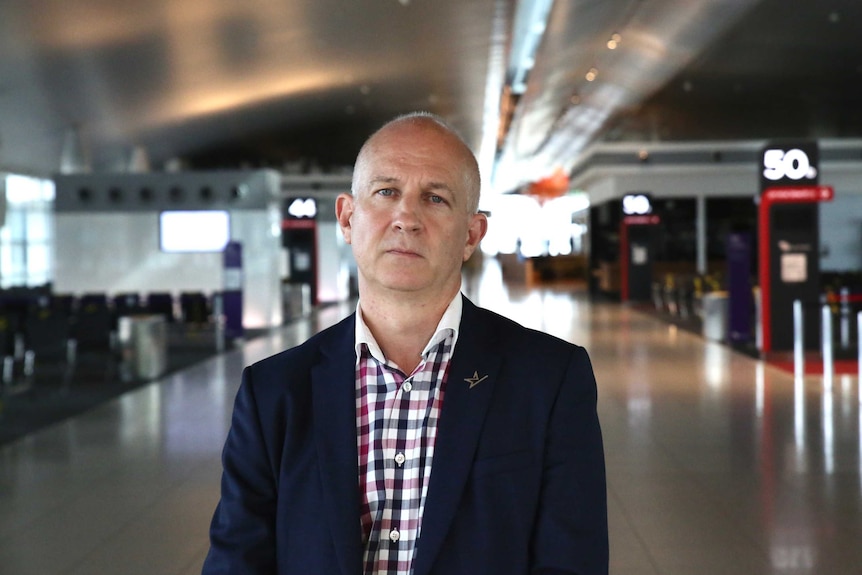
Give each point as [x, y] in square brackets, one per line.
[194, 231]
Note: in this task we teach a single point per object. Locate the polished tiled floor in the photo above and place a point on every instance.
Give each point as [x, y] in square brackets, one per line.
[717, 464]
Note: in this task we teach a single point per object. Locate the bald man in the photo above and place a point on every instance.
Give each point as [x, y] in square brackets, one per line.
[422, 434]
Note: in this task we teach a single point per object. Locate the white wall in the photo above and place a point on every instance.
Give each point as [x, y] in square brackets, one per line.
[841, 219]
[114, 253]
[113, 247]
[333, 273]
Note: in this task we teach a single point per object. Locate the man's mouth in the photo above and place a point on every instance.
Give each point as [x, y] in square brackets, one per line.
[402, 252]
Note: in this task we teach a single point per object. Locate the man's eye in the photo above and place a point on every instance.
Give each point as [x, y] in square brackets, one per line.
[385, 192]
[438, 200]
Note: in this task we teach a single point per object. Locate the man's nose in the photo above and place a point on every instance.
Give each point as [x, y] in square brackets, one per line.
[407, 217]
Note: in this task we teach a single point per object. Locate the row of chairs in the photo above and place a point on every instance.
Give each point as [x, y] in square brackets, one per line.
[187, 307]
[57, 329]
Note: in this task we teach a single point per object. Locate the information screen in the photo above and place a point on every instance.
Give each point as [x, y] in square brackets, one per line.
[194, 230]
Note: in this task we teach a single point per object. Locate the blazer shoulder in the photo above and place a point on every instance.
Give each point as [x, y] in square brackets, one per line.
[512, 333]
[336, 340]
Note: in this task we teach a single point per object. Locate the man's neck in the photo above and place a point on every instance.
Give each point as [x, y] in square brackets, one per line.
[402, 328]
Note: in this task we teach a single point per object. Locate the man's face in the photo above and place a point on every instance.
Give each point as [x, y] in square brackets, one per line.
[409, 221]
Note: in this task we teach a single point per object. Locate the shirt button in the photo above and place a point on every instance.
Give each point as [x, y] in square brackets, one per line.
[394, 536]
[407, 387]
[399, 459]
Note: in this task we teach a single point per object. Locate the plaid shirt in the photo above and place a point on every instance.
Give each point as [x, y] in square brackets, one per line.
[396, 419]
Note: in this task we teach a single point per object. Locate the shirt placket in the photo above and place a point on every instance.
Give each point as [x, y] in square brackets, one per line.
[402, 446]
[397, 522]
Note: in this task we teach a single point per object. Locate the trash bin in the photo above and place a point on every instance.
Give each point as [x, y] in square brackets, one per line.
[144, 343]
[715, 315]
[296, 300]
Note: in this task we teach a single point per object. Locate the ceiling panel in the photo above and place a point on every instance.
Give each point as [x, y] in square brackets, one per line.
[229, 83]
[207, 80]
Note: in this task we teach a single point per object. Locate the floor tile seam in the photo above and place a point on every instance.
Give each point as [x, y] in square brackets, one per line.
[631, 528]
[195, 559]
[720, 505]
[67, 502]
[69, 499]
[127, 524]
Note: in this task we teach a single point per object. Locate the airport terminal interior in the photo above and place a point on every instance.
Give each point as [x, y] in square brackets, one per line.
[674, 185]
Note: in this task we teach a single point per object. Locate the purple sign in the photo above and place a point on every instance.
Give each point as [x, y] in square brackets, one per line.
[232, 291]
[740, 302]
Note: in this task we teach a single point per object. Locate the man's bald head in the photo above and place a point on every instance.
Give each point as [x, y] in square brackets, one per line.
[420, 122]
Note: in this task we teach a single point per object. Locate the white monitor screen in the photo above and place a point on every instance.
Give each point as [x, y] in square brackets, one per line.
[194, 231]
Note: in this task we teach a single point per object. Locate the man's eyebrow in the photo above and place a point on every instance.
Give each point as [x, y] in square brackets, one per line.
[438, 186]
[383, 180]
[394, 180]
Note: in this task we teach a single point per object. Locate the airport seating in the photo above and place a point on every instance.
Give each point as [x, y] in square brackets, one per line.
[126, 304]
[47, 343]
[8, 332]
[93, 326]
[161, 303]
[195, 308]
[63, 303]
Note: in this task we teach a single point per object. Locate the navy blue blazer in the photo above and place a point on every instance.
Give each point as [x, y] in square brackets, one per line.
[518, 480]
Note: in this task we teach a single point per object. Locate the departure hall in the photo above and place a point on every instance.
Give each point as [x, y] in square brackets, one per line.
[674, 185]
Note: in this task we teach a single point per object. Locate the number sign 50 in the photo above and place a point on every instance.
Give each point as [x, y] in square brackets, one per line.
[792, 164]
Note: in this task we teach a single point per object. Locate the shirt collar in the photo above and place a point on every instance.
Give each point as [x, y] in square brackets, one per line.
[447, 325]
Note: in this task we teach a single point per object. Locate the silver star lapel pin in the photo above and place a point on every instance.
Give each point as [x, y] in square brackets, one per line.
[475, 380]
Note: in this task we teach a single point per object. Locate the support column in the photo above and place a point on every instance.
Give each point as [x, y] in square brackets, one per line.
[700, 227]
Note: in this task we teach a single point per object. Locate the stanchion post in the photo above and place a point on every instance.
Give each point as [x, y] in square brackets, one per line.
[218, 317]
[844, 307]
[826, 341]
[798, 341]
[859, 344]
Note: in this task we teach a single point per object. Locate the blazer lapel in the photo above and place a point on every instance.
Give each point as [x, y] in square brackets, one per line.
[334, 404]
[469, 388]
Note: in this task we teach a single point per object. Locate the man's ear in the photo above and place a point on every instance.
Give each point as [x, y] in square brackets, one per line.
[475, 233]
[343, 213]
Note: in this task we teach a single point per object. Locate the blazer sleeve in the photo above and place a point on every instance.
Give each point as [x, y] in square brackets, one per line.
[571, 530]
[242, 533]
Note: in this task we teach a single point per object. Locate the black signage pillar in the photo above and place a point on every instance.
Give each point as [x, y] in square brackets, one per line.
[789, 241]
[636, 257]
[299, 237]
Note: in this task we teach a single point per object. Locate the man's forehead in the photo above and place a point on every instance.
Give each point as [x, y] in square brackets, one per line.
[393, 164]
[415, 149]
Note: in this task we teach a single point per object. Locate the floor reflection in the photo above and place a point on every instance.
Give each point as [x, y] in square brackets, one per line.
[717, 463]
